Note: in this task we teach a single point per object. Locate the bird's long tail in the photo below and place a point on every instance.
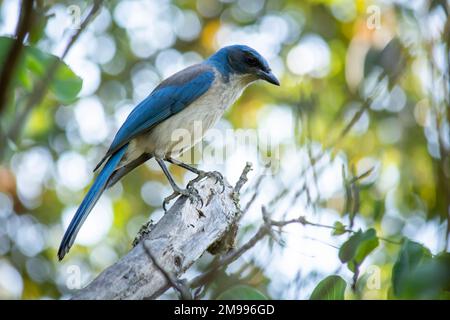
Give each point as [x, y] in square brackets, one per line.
[89, 201]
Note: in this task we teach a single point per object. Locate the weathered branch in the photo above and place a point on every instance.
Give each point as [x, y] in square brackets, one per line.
[176, 283]
[166, 250]
[179, 239]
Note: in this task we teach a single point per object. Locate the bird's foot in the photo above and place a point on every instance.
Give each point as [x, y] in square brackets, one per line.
[210, 174]
[190, 192]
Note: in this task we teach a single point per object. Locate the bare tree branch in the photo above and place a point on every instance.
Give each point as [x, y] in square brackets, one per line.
[243, 178]
[176, 242]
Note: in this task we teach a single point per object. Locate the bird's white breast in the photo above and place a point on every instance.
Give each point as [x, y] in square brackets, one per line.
[184, 129]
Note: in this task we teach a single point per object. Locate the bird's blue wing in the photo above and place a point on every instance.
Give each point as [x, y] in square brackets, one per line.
[170, 97]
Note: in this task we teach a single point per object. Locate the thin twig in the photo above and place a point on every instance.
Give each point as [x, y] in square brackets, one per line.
[177, 284]
[310, 157]
[355, 276]
[354, 119]
[232, 256]
[321, 242]
[243, 178]
[255, 193]
[263, 231]
[303, 221]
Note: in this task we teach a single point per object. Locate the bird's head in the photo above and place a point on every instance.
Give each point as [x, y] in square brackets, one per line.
[245, 61]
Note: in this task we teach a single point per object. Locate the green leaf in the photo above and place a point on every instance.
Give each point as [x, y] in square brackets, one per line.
[37, 61]
[412, 254]
[330, 288]
[418, 275]
[339, 228]
[66, 85]
[358, 247]
[242, 292]
[33, 66]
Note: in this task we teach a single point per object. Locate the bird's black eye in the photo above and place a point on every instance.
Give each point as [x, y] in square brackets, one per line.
[251, 61]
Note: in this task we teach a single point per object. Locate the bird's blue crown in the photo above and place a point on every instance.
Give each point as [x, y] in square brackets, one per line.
[238, 59]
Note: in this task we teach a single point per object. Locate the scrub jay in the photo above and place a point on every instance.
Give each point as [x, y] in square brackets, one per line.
[201, 92]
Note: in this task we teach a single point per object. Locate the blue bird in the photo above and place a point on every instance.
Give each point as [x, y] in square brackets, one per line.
[200, 93]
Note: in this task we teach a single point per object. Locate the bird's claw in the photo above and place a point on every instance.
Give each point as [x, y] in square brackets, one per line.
[219, 178]
[190, 192]
[210, 174]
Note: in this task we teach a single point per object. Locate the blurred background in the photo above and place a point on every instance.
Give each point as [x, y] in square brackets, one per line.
[359, 142]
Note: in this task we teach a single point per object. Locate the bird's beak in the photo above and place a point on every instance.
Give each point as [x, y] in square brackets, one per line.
[269, 77]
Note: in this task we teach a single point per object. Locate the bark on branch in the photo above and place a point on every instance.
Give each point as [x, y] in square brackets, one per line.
[181, 236]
